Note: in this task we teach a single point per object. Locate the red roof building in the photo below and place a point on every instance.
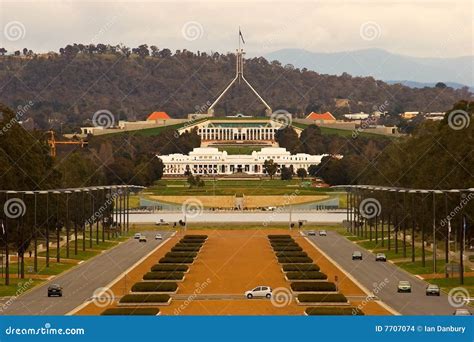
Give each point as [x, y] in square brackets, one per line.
[321, 117]
[158, 116]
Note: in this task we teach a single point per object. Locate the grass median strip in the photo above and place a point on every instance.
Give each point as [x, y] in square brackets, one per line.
[333, 311]
[131, 312]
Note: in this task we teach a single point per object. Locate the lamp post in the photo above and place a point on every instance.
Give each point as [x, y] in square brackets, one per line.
[423, 254]
[45, 192]
[67, 192]
[57, 227]
[413, 223]
[434, 229]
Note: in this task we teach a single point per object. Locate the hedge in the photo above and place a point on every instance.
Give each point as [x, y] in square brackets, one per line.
[279, 236]
[333, 311]
[201, 237]
[145, 298]
[188, 245]
[163, 276]
[295, 260]
[146, 286]
[315, 286]
[181, 255]
[300, 267]
[287, 249]
[291, 254]
[322, 298]
[310, 275]
[283, 243]
[167, 260]
[169, 268]
[185, 249]
[131, 312]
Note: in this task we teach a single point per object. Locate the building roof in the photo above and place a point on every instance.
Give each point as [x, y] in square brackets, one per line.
[321, 116]
[158, 116]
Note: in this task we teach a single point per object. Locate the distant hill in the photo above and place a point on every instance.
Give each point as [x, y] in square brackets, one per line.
[66, 89]
[382, 65]
[413, 84]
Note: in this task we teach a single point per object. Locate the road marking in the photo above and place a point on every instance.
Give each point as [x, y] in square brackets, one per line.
[120, 276]
[348, 275]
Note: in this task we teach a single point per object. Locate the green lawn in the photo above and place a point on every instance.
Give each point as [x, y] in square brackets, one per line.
[53, 269]
[417, 268]
[17, 286]
[447, 284]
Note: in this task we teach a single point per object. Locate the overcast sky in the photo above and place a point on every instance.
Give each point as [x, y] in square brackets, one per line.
[420, 28]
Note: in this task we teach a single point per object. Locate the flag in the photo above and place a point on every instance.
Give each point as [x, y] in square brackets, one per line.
[449, 226]
[241, 36]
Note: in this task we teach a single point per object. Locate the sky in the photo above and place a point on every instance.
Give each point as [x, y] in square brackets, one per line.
[422, 28]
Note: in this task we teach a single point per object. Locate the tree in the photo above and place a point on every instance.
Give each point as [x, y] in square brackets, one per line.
[3, 51]
[270, 167]
[286, 173]
[302, 173]
[440, 85]
[188, 172]
[288, 138]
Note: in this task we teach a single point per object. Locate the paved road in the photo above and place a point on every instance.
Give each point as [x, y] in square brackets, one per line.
[80, 283]
[382, 278]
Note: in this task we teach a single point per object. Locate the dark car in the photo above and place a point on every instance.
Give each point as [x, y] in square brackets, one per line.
[357, 255]
[55, 290]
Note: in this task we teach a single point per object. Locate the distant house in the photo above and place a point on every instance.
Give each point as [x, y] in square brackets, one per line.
[356, 116]
[321, 117]
[158, 116]
[409, 115]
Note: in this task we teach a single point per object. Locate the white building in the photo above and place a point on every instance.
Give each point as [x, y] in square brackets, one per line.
[211, 161]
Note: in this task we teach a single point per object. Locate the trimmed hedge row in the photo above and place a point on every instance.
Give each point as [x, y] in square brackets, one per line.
[287, 249]
[283, 243]
[334, 311]
[167, 260]
[310, 275]
[313, 286]
[200, 237]
[146, 286]
[295, 260]
[145, 298]
[322, 298]
[279, 236]
[163, 276]
[131, 312]
[181, 255]
[185, 249]
[300, 267]
[188, 245]
[291, 254]
[169, 268]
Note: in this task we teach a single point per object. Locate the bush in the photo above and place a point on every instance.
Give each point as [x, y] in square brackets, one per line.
[322, 298]
[145, 298]
[333, 311]
[146, 286]
[287, 248]
[310, 275]
[131, 312]
[199, 237]
[185, 249]
[169, 268]
[279, 236]
[163, 276]
[295, 260]
[300, 267]
[291, 254]
[167, 260]
[313, 286]
[188, 245]
[180, 255]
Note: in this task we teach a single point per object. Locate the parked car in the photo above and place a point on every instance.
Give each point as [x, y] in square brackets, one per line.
[311, 233]
[380, 257]
[323, 233]
[259, 291]
[462, 312]
[432, 290]
[137, 236]
[55, 290]
[404, 286]
[356, 255]
[142, 238]
[158, 237]
[162, 222]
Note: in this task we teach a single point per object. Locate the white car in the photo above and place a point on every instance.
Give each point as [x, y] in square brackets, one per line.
[323, 233]
[137, 236]
[158, 237]
[259, 291]
[311, 233]
[142, 238]
[162, 222]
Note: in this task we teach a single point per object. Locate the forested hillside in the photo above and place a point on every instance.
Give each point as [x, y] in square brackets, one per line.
[66, 88]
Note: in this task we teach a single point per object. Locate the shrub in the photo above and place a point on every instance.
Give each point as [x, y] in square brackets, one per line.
[169, 268]
[146, 286]
[185, 249]
[300, 267]
[290, 245]
[287, 248]
[333, 311]
[322, 298]
[295, 260]
[180, 255]
[313, 286]
[310, 275]
[291, 254]
[145, 298]
[199, 237]
[131, 312]
[279, 236]
[163, 276]
[189, 245]
[167, 260]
